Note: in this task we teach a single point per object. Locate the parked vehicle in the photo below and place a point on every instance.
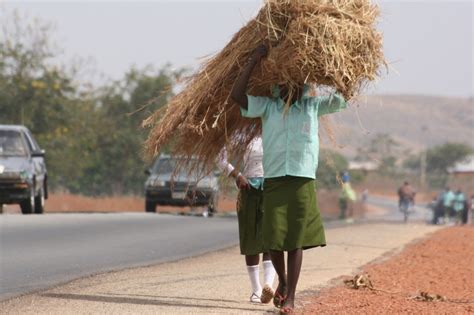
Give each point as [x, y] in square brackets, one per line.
[163, 187]
[23, 175]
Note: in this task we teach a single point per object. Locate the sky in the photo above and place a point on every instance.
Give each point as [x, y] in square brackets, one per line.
[429, 44]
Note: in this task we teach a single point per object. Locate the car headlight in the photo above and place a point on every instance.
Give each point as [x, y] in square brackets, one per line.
[205, 183]
[159, 183]
[24, 175]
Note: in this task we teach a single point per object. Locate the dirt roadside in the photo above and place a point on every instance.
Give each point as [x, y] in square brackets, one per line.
[69, 203]
[441, 265]
[215, 283]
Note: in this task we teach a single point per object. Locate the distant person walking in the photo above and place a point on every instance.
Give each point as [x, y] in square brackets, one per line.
[437, 207]
[465, 210]
[458, 206]
[448, 201]
[470, 208]
[347, 196]
[406, 199]
[250, 216]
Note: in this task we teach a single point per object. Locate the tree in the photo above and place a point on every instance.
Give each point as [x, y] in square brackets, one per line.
[331, 165]
[93, 138]
[440, 158]
[36, 92]
[119, 136]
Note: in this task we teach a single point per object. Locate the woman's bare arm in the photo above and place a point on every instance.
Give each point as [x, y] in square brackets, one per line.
[239, 90]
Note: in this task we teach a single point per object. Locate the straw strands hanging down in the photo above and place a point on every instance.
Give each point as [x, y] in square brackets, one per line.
[331, 43]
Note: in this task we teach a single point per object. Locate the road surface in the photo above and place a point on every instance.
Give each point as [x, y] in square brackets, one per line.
[40, 251]
[216, 283]
[419, 213]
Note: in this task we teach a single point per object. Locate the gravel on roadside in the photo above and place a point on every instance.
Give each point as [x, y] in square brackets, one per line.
[433, 276]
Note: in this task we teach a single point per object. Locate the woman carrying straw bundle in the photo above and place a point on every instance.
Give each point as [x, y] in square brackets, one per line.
[291, 220]
[250, 216]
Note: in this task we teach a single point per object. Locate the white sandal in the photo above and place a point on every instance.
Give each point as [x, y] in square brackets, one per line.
[254, 298]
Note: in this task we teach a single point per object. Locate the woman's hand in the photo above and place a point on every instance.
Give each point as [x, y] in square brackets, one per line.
[260, 52]
[242, 182]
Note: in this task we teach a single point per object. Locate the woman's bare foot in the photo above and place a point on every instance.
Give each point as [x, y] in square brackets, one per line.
[280, 294]
[288, 306]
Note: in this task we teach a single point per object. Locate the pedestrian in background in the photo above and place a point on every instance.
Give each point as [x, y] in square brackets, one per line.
[467, 208]
[406, 196]
[448, 201]
[458, 206]
[471, 208]
[347, 197]
[437, 207]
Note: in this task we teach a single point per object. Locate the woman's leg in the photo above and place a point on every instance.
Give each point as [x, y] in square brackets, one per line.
[268, 271]
[268, 278]
[295, 259]
[252, 262]
[266, 256]
[278, 260]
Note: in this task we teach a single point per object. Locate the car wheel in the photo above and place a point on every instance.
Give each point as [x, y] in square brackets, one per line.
[46, 192]
[213, 202]
[39, 202]
[150, 206]
[28, 205]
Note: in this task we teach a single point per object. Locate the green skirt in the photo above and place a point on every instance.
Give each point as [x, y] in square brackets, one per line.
[291, 219]
[250, 215]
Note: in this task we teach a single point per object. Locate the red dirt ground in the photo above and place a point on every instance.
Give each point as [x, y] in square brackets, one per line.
[442, 264]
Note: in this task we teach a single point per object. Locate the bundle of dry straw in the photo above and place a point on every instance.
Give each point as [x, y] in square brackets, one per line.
[330, 43]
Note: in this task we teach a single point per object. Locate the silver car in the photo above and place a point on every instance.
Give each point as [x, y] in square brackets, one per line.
[163, 187]
[23, 175]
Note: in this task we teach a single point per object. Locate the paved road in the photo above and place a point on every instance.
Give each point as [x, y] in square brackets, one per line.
[419, 213]
[40, 251]
[216, 283]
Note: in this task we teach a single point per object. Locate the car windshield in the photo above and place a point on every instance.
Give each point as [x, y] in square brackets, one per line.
[12, 144]
[167, 166]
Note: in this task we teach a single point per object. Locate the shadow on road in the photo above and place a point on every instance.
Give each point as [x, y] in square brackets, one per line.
[155, 300]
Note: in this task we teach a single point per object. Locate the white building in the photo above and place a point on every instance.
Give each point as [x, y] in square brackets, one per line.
[465, 167]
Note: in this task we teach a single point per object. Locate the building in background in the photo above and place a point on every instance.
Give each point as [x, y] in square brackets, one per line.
[464, 168]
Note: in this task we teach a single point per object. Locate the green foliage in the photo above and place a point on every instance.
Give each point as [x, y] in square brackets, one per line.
[440, 158]
[357, 176]
[93, 138]
[119, 134]
[388, 165]
[331, 165]
[412, 162]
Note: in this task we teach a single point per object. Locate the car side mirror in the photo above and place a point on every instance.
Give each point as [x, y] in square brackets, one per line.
[147, 172]
[39, 153]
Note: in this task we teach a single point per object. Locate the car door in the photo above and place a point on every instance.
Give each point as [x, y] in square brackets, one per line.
[39, 165]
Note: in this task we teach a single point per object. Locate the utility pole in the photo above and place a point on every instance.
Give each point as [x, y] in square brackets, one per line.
[423, 159]
[423, 170]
